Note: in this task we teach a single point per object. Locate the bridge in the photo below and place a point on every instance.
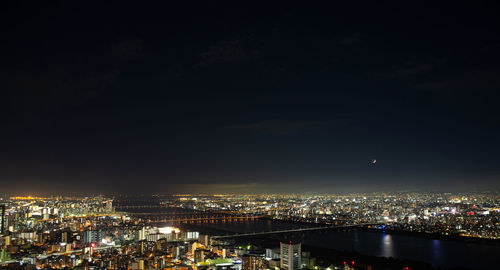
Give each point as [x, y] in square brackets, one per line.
[223, 218]
[219, 213]
[79, 216]
[295, 230]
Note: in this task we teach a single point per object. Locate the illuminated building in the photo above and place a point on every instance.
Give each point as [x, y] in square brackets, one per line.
[90, 236]
[142, 234]
[290, 256]
[251, 262]
[64, 237]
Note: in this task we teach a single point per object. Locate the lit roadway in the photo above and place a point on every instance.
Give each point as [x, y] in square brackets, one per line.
[230, 218]
[294, 230]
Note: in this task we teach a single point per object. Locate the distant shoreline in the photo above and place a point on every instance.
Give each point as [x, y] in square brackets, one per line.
[437, 236]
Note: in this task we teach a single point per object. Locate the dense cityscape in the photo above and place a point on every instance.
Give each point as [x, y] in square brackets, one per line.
[239, 135]
[448, 214]
[156, 232]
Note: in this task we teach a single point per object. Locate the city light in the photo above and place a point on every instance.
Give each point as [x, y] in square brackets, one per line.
[100, 226]
[168, 230]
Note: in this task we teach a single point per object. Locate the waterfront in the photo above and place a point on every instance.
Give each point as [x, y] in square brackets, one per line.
[40, 230]
[445, 253]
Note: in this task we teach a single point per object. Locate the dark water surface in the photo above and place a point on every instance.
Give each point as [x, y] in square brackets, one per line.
[446, 253]
[437, 252]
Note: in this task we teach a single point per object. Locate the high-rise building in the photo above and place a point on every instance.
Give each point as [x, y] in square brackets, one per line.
[142, 234]
[64, 237]
[290, 256]
[90, 236]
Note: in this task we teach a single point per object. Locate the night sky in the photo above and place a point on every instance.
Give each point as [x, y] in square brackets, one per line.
[135, 97]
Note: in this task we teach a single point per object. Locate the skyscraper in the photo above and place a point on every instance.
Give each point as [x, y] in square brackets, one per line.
[290, 256]
[91, 236]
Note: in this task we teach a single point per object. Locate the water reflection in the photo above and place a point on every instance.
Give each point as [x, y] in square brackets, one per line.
[357, 243]
[387, 245]
[436, 250]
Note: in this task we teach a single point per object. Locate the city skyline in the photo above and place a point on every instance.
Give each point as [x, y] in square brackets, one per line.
[418, 231]
[128, 98]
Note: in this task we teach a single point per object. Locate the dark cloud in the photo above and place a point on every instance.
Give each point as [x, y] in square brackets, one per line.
[127, 50]
[125, 96]
[409, 70]
[236, 49]
[469, 81]
[279, 126]
[67, 79]
[349, 40]
[53, 89]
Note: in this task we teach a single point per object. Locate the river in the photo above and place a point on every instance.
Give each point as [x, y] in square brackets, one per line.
[447, 253]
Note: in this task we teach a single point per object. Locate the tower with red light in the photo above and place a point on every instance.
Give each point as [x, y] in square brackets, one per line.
[291, 255]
